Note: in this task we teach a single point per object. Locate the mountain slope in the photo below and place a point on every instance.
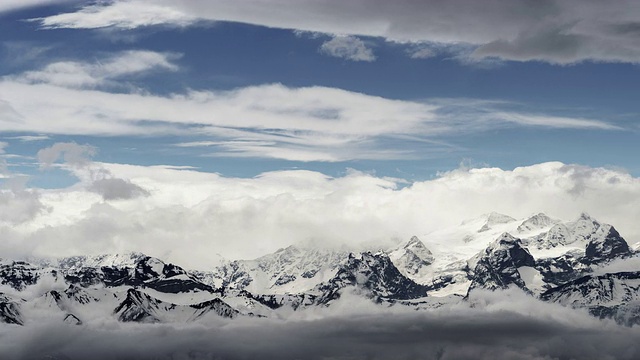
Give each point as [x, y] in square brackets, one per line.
[373, 273]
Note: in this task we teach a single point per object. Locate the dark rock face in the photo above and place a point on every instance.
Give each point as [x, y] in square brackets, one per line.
[596, 289]
[274, 301]
[374, 273]
[138, 307]
[559, 270]
[285, 279]
[10, 311]
[216, 306]
[611, 247]
[612, 295]
[72, 319]
[499, 263]
[147, 272]
[19, 274]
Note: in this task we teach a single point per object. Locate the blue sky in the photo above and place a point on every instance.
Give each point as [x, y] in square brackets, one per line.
[241, 88]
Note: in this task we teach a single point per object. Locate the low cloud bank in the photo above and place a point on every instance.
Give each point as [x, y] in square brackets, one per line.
[186, 217]
[493, 329]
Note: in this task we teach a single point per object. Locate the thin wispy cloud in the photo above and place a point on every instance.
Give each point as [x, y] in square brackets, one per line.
[28, 138]
[273, 121]
[77, 74]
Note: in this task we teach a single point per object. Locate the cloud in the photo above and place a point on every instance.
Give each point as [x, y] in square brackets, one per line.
[246, 218]
[88, 75]
[78, 159]
[28, 138]
[119, 14]
[487, 332]
[117, 189]
[72, 154]
[19, 206]
[554, 31]
[349, 48]
[271, 120]
[421, 52]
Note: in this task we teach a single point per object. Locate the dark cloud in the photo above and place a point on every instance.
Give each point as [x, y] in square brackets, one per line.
[424, 335]
[72, 154]
[20, 205]
[556, 31]
[101, 181]
[557, 44]
[116, 189]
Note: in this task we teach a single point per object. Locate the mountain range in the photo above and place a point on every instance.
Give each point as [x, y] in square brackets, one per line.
[582, 263]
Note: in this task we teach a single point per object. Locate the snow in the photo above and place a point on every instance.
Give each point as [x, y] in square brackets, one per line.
[185, 298]
[532, 278]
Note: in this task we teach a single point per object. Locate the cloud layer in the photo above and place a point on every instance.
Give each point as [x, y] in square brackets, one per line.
[502, 326]
[186, 216]
[554, 31]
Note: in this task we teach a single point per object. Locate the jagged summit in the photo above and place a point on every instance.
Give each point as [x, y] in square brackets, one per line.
[375, 274]
[498, 266]
[607, 247]
[412, 257]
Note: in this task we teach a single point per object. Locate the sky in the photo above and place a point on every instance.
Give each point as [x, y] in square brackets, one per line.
[254, 124]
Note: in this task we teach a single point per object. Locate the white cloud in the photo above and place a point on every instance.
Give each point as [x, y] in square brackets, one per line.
[83, 75]
[122, 14]
[421, 52]
[349, 48]
[189, 215]
[274, 121]
[73, 154]
[556, 31]
[28, 138]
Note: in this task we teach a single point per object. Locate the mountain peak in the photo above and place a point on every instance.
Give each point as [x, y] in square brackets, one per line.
[584, 216]
[506, 238]
[495, 218]
[412, 257]
[536, 222]
[497, 268]
[414, 240]
[609, 247]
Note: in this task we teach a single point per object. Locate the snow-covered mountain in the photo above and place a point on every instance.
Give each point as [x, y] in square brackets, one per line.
[290, 270]
[412, 258]
[502, 264]
[556, 261]
[376, 275]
